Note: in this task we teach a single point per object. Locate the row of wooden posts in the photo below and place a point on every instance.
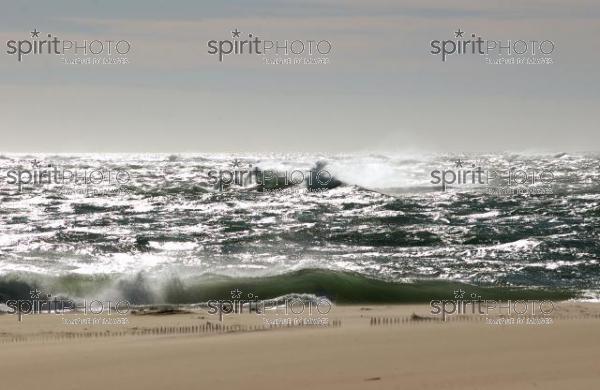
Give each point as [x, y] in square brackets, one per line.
[412, 319]
[208, 327]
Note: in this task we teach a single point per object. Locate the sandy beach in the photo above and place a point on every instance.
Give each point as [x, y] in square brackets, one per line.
[379, 347]
[293, 195]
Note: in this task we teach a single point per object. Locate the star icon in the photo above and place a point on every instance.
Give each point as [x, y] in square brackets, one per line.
[236, 294]
[35, 33]
[35, 163]
[236, 33]
[458, 163]
[35, 294]
[459, 294]
[459, 33]
[235, 163]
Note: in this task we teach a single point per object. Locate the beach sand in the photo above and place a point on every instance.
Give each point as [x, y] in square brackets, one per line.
[370, 347]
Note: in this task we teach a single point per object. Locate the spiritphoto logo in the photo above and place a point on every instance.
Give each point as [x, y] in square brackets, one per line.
[508, 51]
[509, 312]
[286, 51]
[44, 173]
[40, 303]
[269, 180]
[496, 181]
[92, 51]
[281, 311]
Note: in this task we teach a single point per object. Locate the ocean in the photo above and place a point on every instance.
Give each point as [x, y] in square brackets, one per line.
[370, 227]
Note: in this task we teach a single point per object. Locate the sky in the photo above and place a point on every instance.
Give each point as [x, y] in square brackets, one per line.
[381, 88]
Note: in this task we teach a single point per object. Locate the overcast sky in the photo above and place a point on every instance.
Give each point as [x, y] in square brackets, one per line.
[382, 89]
